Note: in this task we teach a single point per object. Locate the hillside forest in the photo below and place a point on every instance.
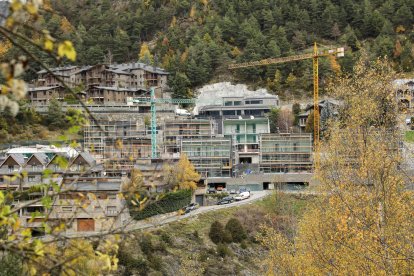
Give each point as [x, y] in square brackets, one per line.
[196, 39]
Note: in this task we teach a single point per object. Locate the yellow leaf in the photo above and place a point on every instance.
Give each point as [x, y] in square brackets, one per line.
[48, 45]
[16, 5]
[66, 49]
[26, 232]
[32, 9]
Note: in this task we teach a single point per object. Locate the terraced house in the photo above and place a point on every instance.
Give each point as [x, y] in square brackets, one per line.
[102, 83]
[88, 200]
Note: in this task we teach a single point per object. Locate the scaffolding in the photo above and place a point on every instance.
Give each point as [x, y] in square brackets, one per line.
[177, 130]
[211, 157]
[290, 152]
[120, 145]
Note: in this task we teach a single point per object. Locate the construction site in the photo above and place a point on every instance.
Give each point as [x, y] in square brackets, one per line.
[228, 149]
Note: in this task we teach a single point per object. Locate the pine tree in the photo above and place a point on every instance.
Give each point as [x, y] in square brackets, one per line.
[274, 116]
[145, 54]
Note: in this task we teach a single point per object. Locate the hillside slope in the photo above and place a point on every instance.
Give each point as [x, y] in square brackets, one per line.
[196, 40]
[185, 248]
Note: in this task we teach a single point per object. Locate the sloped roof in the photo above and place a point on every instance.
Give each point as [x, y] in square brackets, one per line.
[58, 69]
[18, 157]
[41, 157]
[114, 88]
[43, 88]
[139, 65]
[86, 156]
[57, 155]
[118, 71]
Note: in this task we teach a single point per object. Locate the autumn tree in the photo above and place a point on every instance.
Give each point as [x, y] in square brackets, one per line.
[145, 54]
[182, 175]
[134, 189]
[29, 44]
[361, 221]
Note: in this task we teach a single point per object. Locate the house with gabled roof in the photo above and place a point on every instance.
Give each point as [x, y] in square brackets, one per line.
[10, 168]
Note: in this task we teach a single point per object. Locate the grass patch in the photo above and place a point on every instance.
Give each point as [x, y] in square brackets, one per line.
[409, 136]
[283, 204]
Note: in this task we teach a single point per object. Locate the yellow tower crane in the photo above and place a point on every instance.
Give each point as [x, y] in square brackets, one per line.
[339, 52]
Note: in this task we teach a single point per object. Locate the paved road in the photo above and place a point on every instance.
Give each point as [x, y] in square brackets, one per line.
[159, 220]
[168, 218]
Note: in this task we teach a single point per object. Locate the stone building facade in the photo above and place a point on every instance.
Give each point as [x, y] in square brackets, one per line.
[101, 84]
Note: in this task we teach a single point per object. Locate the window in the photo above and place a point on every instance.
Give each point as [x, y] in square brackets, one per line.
[229, 112]
[276, 147]
[254, 102]
[237, 102]
[31, 178]
[295, 146]
[111, 210]
[67, 209]
[229, 103]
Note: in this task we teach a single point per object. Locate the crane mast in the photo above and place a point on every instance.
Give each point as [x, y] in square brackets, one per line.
[315, 55]
[153, 102]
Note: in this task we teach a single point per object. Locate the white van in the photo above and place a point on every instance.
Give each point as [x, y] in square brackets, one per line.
[182, 112]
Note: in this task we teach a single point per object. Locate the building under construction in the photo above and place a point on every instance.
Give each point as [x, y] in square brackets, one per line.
[212, 157]
[117, 144]
[285, 152]
[175, 131]
[220, 148]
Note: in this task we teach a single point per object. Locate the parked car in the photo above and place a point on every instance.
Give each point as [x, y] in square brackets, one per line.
[233, 191]
[193, 206]
[211, 190]
[242, 196]
[225, 200]
[190, 207]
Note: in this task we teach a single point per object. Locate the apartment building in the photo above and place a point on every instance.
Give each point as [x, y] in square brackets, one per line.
[245, 132]
[117, 143]
[211, 157]
[102, 83]
[88, 200]
[404, 93]
[285, 152]
[174, 131]
[257, 106]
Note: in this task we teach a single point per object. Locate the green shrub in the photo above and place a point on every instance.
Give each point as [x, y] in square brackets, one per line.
[227, 238]
[171, 202]
[243, 244]
[236, 230]
[146, 245]
[162, 246]
[155, 262]
[166, 237]
[131, 264]
[216, 232]
[10, 265]
[223, 250]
